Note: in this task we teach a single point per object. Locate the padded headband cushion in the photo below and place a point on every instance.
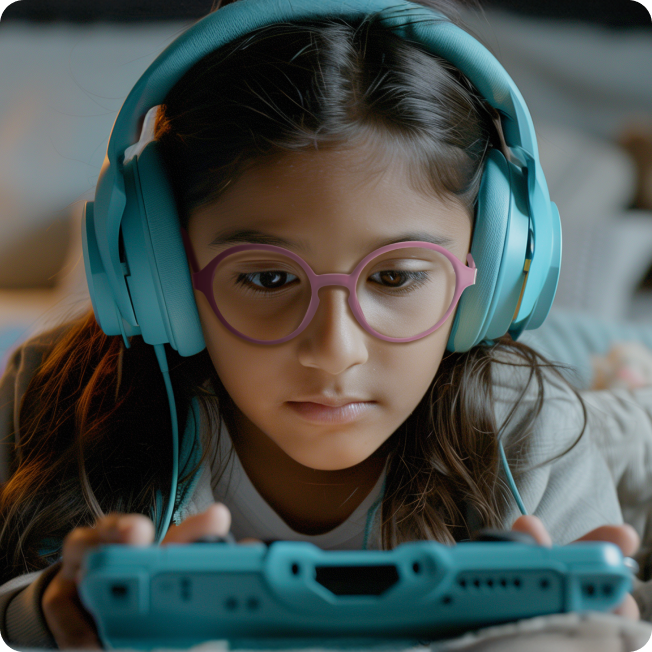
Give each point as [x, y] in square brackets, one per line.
[410, 20]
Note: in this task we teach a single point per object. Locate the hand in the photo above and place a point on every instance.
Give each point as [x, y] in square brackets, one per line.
[624, 536]
[70, 624]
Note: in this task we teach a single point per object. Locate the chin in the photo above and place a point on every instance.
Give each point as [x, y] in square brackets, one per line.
[331, 461]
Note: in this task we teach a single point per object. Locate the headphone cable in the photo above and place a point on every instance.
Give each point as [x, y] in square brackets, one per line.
[162, 362]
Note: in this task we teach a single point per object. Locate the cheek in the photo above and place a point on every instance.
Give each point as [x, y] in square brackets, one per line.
[244, 368]
[422, 360]
[407, 370]
[426, 356]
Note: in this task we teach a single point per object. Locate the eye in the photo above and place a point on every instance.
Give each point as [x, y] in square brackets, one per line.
[391, 277]
[396, 279]
[268, 280]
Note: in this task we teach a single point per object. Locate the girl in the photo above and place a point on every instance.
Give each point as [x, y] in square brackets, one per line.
[322, 145]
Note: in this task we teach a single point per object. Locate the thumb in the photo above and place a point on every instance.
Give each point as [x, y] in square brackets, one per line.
[533, 526]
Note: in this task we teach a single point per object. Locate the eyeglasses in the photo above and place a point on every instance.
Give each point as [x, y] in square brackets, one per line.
[267, 294]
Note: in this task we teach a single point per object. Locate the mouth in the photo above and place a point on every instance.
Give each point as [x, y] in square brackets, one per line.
[320, 413]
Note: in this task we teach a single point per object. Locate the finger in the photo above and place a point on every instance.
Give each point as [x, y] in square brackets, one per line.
[247, 541]
[624, 536]
[629, 609]
[75, 546]
[132, 529]
[215, 520]
[128, 529]
[70, 624]
[533, 526]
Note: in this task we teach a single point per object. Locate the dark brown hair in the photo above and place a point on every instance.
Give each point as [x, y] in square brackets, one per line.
[94, 422]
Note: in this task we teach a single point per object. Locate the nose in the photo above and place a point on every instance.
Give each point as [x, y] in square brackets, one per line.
[333, 341]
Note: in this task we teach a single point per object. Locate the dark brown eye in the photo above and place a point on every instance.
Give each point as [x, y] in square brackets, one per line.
[393, 278]
[390, 278]
[270, 280]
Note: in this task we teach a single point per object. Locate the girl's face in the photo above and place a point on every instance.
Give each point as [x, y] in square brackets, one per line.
[333, 207]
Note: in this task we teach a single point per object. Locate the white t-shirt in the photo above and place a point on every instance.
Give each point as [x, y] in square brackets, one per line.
[252, 516]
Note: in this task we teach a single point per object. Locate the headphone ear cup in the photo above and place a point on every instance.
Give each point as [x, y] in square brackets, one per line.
[107, 313]
[168, 263]
[474, 311]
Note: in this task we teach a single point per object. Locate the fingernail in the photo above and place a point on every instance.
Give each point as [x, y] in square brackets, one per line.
[116, 532]
[130, 526]
[124, 528]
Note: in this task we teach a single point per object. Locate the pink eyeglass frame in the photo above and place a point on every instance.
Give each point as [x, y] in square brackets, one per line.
[203, 281]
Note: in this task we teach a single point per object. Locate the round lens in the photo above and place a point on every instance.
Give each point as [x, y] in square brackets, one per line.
[263, 295]
[405, 292]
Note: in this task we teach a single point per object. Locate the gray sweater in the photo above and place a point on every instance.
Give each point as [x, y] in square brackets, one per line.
[572, 495]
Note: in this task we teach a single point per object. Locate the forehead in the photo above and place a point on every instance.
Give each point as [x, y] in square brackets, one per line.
[344, 198]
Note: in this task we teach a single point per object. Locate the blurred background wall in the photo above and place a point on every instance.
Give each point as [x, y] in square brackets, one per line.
[583, 66]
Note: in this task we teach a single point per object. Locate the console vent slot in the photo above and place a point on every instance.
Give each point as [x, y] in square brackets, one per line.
[482, 581]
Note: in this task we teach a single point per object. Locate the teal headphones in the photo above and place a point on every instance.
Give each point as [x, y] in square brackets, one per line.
[136, 266]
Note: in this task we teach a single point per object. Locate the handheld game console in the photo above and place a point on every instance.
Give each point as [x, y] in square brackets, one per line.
[184, 595]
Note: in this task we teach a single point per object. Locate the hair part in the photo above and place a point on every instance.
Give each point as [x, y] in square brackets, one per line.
[319, 85]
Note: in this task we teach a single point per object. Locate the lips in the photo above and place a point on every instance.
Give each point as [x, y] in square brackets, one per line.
[346, 410]
[332, 401]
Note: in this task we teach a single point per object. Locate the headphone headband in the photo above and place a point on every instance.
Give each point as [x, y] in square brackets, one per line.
[410, 21]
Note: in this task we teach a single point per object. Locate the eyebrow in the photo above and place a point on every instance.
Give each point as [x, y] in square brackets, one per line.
[252, 236]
